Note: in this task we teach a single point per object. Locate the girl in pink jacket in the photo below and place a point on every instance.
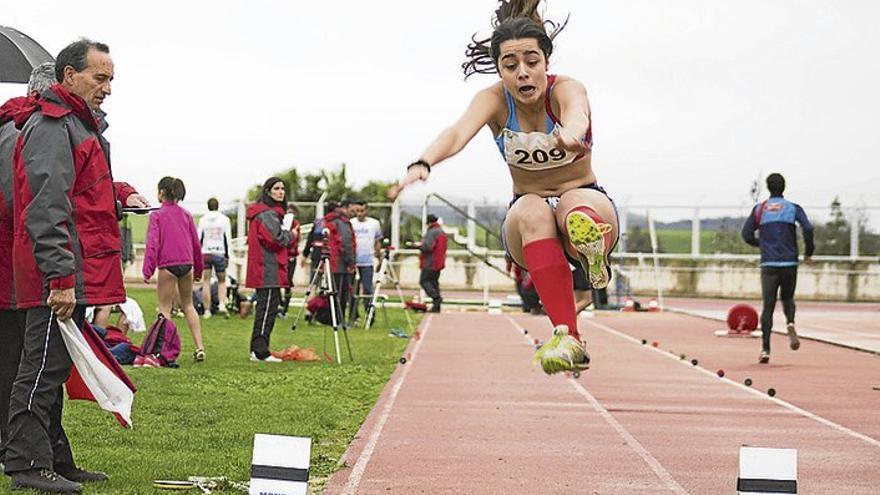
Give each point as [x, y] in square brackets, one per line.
[173, 247]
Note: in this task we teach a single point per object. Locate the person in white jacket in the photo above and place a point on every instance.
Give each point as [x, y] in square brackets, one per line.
[215, 234]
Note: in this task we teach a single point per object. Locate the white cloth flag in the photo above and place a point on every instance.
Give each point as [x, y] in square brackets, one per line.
[107, 389]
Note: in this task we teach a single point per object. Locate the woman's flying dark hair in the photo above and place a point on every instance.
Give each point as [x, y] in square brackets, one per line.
[514, 19]
[172, 188]
[266, 197]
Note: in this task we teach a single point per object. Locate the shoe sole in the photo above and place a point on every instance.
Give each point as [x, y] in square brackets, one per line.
[793, 341]
[588, 238]
[764, 360]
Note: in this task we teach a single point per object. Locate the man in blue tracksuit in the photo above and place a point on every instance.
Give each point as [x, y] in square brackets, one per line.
[775, 218]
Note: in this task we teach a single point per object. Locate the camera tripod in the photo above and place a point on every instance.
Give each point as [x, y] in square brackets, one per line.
[386, 269]
[322, 281]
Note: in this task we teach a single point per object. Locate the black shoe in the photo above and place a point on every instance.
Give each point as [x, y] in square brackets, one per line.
[82, 476]
[44, 480]
[435, 308]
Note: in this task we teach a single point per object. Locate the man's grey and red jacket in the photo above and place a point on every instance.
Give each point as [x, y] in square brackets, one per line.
[8, 138]
[267, 247]
[66, 227]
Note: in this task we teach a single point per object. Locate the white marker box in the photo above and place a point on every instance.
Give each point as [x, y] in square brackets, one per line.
[764, 471]
[280, 465]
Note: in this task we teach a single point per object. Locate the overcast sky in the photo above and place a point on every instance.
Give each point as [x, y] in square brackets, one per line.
[692, 99]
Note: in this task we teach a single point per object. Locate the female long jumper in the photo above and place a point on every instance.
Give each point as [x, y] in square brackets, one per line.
[541, 123]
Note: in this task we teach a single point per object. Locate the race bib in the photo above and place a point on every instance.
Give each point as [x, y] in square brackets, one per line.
[534, 151]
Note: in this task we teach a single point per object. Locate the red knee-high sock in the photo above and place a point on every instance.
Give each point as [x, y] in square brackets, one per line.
[551, 275]
[596, 218]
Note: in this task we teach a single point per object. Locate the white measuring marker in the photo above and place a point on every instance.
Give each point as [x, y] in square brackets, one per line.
[764, 471]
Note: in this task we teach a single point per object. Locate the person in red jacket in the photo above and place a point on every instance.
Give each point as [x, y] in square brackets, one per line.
[432, 259]
[268, 242]
[292, 253]
[341, 239]
[66, 254]
[12, 321]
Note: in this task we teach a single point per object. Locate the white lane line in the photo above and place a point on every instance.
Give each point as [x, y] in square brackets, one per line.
[787, 405]
[646, 456]
[357, 472]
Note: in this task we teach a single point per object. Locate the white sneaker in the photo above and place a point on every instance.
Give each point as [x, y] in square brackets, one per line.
[269, 359]
[207, 315]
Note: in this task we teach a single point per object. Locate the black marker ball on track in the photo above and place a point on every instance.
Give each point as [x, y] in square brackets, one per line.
[748, 382]
[644, 342]
[525, 332]
[694, 362]
[771, 392]
[403, 360]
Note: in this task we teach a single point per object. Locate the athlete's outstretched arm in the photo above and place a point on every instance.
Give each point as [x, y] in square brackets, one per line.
[574, 110]
[454, 138]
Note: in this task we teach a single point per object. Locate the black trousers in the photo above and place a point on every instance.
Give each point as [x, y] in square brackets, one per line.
[36, 436]
[342, 284]
[782, 280]
[430, 281]
[12, 325]
[291, 271]
[265, 311]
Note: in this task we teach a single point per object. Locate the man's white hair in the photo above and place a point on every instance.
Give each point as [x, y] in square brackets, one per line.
[42, 77]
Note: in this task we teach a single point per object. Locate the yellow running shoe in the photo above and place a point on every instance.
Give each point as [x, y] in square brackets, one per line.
[588, 238]
[562, 353]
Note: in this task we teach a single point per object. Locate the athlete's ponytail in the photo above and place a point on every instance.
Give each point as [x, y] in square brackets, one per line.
[514, 19]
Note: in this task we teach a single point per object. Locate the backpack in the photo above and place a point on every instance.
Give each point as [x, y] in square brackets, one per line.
[162, 341]
[319, 308]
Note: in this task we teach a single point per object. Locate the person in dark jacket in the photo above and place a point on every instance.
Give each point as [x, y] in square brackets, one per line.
[66, 254]
[432, 259]
[775, 218]
[12, 321]
[313, 246]
[340, 236]
[268, 242]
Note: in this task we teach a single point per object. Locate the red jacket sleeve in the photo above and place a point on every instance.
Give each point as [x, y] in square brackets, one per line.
[123, 191]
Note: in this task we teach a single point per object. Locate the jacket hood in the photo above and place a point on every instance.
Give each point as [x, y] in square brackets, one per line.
[257, 208]
[17, 109]
[57, 102]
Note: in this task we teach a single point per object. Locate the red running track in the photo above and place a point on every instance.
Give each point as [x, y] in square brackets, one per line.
[470, 414]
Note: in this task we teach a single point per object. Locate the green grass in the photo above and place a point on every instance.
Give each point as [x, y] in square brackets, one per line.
[200, 419]
[138, 225]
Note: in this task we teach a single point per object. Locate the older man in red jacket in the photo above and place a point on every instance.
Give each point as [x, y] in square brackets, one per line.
[66, 252]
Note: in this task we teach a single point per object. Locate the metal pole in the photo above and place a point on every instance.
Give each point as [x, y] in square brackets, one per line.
[319, 206]
[395, 224]
[485, 284]
[653, 234]
[622, 228]
[472, 227]
[240, 221]
[695, 233]
[853, 234]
